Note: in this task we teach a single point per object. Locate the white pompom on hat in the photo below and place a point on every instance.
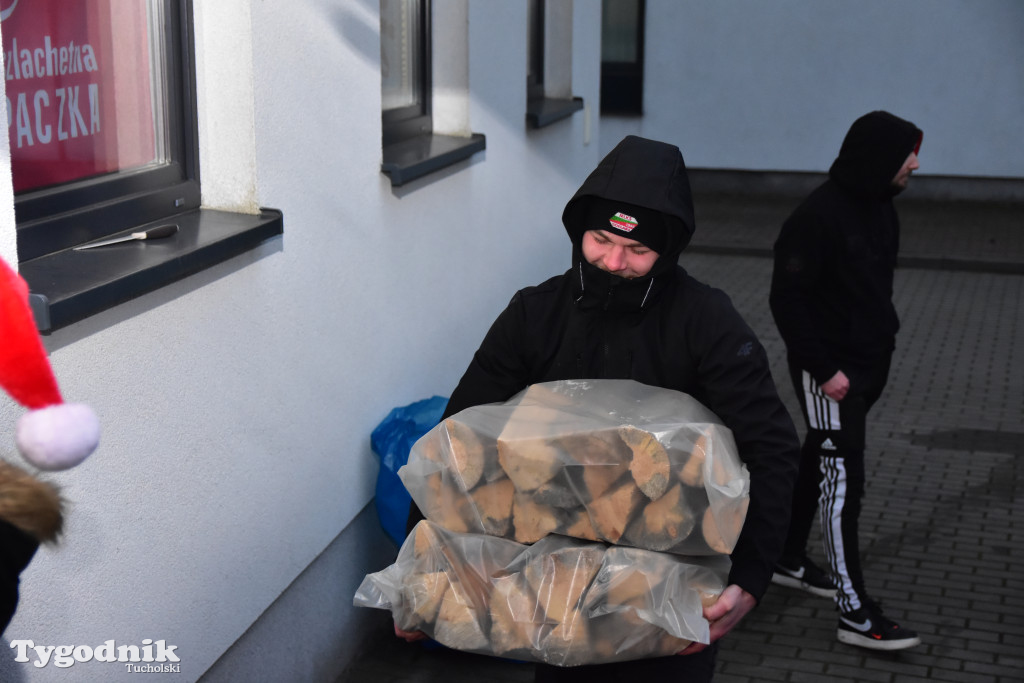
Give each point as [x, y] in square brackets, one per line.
[53, 435]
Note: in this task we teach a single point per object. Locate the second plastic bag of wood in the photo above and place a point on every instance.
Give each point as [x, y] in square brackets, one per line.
[605, 460]
[561, 601]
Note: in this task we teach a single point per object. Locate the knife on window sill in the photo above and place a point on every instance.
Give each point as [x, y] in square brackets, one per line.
[151, 234]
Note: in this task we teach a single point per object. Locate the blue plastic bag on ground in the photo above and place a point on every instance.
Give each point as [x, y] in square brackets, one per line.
[391, 440]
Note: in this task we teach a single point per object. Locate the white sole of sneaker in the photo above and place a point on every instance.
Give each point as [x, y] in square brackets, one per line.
[869, 643]
[790, 582]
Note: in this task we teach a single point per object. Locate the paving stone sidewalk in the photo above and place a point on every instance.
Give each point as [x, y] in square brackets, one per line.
[942, 530]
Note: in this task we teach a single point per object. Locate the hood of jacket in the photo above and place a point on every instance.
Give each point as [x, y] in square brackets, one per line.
[872, 152]
[645, 173]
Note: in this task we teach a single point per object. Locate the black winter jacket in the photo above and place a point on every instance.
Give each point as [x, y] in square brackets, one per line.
[832, 285]
[665, 329]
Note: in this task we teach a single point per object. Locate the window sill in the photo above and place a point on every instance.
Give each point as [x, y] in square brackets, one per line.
[545, 111]
[416, 157]
[69, 285]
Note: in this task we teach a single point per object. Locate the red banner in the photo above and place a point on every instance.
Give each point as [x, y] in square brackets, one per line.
[79, 102]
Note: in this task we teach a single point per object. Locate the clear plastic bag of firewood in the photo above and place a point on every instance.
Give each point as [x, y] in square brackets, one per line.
[562, 601]
[604, 460]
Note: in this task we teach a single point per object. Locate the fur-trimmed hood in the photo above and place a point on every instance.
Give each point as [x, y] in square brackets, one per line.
[29, 504]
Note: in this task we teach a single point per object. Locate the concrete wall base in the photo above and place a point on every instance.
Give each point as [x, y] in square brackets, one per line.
[799, 184]
[312, 631]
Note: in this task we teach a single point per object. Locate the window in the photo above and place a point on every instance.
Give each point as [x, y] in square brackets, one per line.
[412, 147]
[535, 50]
[549, 63]
[74, 147]
[404, 69]
[102, 129]
[622, 56]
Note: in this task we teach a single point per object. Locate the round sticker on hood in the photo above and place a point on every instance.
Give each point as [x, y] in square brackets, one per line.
[621, 221]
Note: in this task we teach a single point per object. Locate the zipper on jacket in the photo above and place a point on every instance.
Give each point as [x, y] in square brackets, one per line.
[611, 295]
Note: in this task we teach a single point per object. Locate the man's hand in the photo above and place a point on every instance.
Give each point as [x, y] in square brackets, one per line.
[731, 607]
[836, 387]
[409, 636]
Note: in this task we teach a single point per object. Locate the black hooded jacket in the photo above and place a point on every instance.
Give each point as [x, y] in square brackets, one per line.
[665, 329]
[831, 292]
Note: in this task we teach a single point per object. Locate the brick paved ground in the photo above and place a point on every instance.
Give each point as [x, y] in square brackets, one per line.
[942, 528]
[942, 536]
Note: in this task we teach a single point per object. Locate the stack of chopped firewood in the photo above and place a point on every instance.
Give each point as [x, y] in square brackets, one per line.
[648, 470]
[561, 600]
[553, 469]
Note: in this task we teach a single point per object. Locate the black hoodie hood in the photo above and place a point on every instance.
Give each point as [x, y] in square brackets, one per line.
[639, 172]
[645, 173]
[873, 151]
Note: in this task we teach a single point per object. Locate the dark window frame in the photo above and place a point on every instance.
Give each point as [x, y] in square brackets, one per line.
[67, 285]
[55, 218]
[535, 50]
[622, 83]
[542, 111]
[403, 123]
[411, 149]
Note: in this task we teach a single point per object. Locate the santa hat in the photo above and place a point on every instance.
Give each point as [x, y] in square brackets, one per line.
[53, 435]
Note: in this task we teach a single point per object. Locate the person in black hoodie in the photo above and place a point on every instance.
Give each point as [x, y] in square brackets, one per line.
[626, 309]
[831, 297]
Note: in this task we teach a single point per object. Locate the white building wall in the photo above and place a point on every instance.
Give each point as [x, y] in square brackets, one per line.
[775, 85]
[237, 404]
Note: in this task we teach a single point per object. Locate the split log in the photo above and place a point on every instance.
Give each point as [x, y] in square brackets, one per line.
[542, 395]
[611, 638]
[597, 479]
[422, 593]
[457, 624]
[558, 492]
[629, 588]
[514, 618]
[569, 643]
[692, 471]
[619, 626]
[445, 504]
[467, 453]
[597, 460]
[493, 503]
[425, 544]
[649, 464]
[664, 523]
[559, 578]
[721, 534]
[528, 458]
[578, 525]
[532, 521]
[613, 511]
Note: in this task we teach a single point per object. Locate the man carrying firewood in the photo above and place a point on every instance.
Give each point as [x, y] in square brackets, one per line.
[627, 310]
[831, 296]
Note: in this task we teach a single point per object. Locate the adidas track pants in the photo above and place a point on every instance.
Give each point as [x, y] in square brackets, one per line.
[831, 478]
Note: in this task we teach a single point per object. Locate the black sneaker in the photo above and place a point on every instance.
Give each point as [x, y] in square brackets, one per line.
[806, 576]
[868, 627]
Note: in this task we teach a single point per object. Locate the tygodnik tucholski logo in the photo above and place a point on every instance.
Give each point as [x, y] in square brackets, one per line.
[150, 657]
